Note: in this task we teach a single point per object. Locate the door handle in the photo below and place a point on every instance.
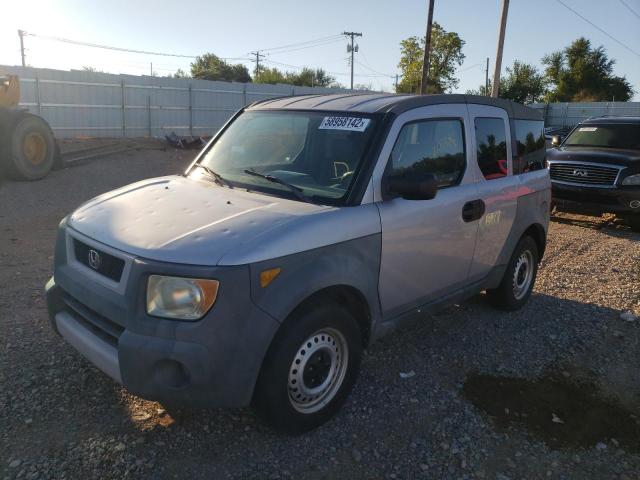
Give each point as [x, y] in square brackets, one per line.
[473, 210]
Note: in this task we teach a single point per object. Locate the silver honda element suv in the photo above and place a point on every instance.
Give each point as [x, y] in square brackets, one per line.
[306, 229]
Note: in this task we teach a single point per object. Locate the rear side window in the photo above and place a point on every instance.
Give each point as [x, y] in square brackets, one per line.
[530, 145]
[491, 140]
[431, 146]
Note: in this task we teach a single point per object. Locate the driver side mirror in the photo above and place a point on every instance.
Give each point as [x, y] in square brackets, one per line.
[556, 140]
[412, 186]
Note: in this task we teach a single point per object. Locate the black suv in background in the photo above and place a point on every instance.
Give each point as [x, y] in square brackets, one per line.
[596, 169]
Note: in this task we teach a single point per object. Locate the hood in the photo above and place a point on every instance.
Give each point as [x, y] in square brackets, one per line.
[595, 155]
[188, 221]
[183, 220]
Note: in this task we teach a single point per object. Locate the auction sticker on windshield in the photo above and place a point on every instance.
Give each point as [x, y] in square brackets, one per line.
[354, 124]
[588, 129]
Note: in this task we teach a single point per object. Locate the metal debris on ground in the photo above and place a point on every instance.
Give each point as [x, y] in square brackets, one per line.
[185, 143]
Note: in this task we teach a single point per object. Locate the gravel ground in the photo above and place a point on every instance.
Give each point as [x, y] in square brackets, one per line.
[61, 418]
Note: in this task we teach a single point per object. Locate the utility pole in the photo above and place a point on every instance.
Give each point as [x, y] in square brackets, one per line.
[351, 48]
[151, 69]
[496, 72]
[21, 35]
[486, 79]
[427, 49]
[258, 55]
[396, 83]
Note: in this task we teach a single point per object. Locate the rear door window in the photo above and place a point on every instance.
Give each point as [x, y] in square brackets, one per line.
[530, 146]
[491, 141]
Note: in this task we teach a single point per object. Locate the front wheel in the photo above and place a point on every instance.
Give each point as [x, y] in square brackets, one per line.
[310, 369]
[633, 221]
[519, 277]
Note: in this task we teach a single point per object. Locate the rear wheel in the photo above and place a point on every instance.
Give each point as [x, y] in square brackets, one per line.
[519, 277]
[30, 151]
[310, 369]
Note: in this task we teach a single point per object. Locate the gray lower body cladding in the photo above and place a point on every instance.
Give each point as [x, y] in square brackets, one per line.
[213, 362]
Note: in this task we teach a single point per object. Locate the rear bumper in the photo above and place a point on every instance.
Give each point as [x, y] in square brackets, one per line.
[596, 200]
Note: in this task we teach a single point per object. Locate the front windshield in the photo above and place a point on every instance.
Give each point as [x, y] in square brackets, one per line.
[317, 152]
[610, 135]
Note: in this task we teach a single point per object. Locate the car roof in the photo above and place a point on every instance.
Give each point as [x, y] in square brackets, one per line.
[611, 119]
[388, 103]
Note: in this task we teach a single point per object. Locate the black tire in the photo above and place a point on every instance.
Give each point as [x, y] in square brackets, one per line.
[276, 390]
[633, 221]
[31, 149]
[519, 277]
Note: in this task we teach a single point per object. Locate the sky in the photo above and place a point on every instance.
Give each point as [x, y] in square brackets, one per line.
[233, 29]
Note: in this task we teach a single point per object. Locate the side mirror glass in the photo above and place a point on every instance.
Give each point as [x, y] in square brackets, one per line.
[413, 186]
[556, 140]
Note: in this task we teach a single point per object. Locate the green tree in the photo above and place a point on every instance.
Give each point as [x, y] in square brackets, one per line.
[523, 83]
[181, 74]
[212, 67]
[582, 73]
[445, 56]
[270, 75]
[481, 90]
[308, 77]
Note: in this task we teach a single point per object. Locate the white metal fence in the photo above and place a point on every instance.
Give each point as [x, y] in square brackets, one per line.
[570, 114]
[79, 103]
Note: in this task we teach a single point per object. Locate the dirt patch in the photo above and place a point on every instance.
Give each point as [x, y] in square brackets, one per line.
[564, 414]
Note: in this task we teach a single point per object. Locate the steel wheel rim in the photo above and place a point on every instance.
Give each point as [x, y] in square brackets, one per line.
[34, 148]
[523, 274]
[318, 370]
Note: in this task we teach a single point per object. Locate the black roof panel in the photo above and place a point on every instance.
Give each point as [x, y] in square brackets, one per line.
[388, 102]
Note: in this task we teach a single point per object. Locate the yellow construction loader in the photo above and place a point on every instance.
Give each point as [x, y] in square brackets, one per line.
[28, 149]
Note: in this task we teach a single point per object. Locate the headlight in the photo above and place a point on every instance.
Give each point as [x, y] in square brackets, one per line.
[180, 298]
[632, 180]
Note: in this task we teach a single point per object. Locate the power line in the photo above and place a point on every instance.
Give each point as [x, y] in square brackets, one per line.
[321, 39]
[298, 67]
[598, 28]
[320, 44]
[366, 64]
[119, 49]
[375, 72]
[469, 67]
[630, 9]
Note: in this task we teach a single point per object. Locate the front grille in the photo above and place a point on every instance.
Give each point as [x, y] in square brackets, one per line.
[583, 174]
[92, 320]
[102, 262]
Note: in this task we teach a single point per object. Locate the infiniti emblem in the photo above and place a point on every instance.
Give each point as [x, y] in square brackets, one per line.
[95, 260]
[580, 173]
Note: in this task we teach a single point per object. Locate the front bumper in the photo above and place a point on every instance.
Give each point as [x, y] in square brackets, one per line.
[213, 362]
[621, 200]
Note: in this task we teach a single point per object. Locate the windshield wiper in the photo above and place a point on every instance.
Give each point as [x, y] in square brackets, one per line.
[219, 179]
[297, 191]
